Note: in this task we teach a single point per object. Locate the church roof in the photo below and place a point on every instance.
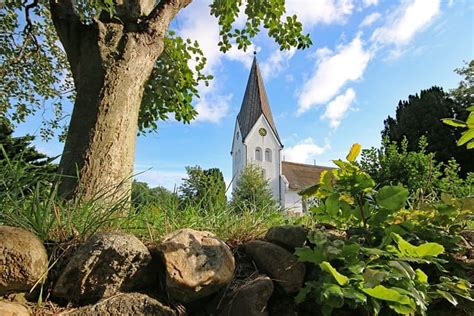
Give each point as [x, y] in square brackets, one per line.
[301, 176]
[255, 103]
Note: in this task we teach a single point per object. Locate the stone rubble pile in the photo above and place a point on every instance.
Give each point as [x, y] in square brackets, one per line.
[186, 272]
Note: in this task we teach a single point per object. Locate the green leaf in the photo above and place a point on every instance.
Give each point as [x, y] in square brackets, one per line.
[309, 191]
[332, 295]
[392, 198]
[340, 278]
[470, 145]
[454, 122]
[421, 276]
[402, 309]
[387, 294]
[301, 296]
[354, 294]
[332, 205]
[465, 137]
[427, 249]
[373, 277]
[354, 152]
[403, 268]
[450, 298]
[309, 255]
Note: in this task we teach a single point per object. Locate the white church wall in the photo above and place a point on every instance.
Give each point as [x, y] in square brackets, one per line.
[238, 155]
[272, 168]
[293, 202]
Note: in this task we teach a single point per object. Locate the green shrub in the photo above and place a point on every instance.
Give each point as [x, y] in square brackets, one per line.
[143, 196]
[203, 188]
[383, 258]
[252, 191]
[418, 171]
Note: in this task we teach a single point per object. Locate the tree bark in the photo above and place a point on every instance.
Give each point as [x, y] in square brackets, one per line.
[110, 62]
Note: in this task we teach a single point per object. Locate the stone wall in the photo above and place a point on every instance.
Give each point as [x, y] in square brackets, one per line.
[187, 273]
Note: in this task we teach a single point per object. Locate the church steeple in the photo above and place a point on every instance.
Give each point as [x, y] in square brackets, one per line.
[255, 103]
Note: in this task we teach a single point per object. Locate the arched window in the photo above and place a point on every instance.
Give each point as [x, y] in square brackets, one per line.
[258, 154]
[268, 154]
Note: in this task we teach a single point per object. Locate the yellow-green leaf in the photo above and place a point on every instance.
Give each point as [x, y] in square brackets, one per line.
[470, 145]
[340, 278]
[465, 137]
[354, 152]
[387, 294]
[427, 249]
[453, 122]
[421, 276]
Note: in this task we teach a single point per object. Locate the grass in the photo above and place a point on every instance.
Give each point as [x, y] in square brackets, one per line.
[29, 199]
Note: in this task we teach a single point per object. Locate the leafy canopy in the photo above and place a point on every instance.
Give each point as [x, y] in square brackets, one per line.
[36, 76]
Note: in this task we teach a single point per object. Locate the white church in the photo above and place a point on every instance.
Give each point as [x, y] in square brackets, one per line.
[256, 141]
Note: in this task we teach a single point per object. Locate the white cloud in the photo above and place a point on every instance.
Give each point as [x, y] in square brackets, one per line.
[243, 57]
[167, 179]
[313, 12]
[304, 151]
[332, 72]
[370, 19]
[213, 105]
[338, 107]
[212, 108]
[276, 63]
[368, 3]
[402, 25]
[204, 29]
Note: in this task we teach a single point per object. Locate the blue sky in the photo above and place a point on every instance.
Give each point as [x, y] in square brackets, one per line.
[366, 56]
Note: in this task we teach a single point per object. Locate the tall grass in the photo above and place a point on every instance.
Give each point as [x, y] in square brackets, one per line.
[155, 221]
[28, 199]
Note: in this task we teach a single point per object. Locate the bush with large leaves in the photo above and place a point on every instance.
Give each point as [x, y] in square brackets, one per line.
[383, 258]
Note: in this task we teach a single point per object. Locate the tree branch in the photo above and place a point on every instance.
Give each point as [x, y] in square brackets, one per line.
[28, 30]
[159, 19]
[68, 26]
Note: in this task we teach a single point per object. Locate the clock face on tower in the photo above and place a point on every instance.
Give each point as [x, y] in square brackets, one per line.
[262, 131]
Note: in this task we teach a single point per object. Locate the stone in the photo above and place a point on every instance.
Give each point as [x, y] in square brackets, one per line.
[13, 309]
[196, 264]
[288, 236]
[125, 304]
[130, 10]
[23, 260]
[277, 262]
[106, 264]
[250, 299]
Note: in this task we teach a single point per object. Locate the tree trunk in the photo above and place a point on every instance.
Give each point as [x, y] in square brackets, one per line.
[100, 146]
[110, 63]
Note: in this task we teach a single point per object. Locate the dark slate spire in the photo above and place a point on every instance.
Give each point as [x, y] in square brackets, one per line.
[255, 103]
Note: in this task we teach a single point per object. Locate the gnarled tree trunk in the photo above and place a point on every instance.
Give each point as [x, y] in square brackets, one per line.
[110, 62]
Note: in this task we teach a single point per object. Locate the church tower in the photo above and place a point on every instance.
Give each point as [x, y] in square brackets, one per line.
[256, 139]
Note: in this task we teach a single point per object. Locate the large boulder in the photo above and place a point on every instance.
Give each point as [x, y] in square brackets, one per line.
[125, 304]
[23, 260]
[278, 263]
[288, 236]
[250, 299]
[13, 309]
[196, 264]
[106, 264]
